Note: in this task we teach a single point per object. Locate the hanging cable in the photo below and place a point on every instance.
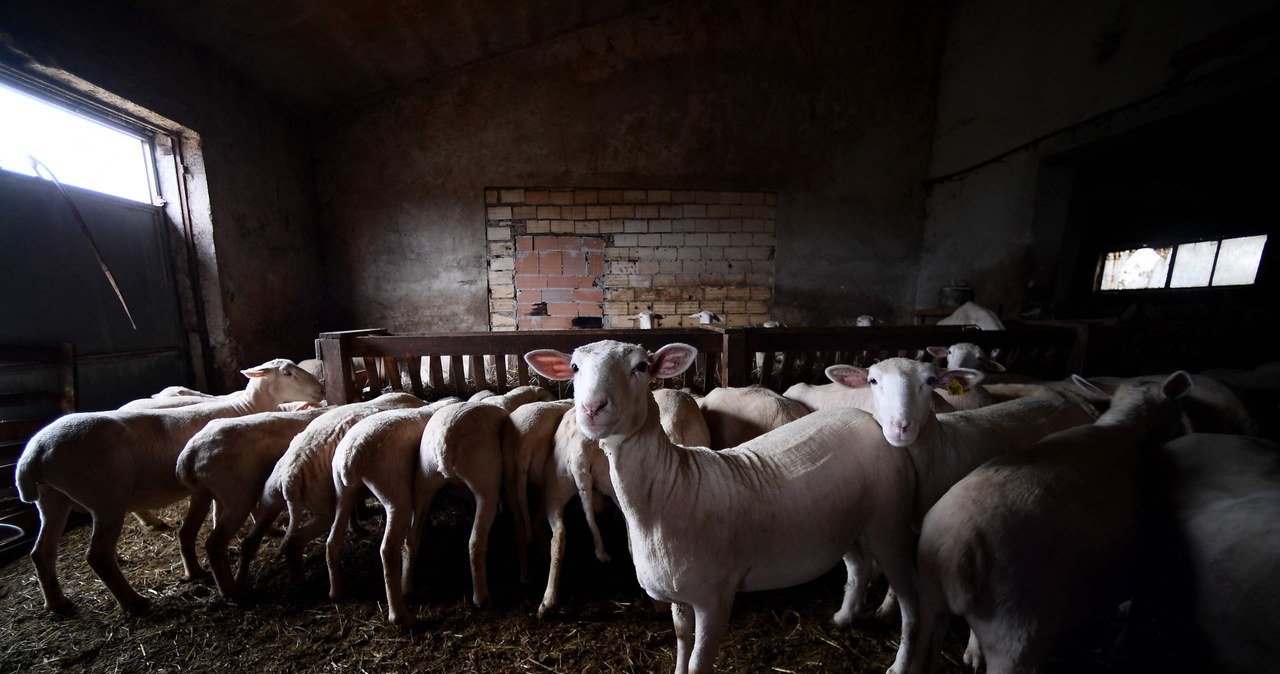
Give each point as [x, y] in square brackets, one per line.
[37, 165]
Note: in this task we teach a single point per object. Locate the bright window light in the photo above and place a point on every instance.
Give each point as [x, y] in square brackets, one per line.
[1196, 264]
[78, 150]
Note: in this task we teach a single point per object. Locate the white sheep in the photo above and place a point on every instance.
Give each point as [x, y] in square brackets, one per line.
[966, 355]
[834, 395]
[1024, 544]
[735, 415]
[1225, 495]
[110, 463]
[775, 512]
[578, 467]
[535, 427]
[646, 319]
[380, 453]
[945, 447]
[226, 464]
[520, 395]
[972, 313]
[302, 481]
[706, 317]
[462, 446]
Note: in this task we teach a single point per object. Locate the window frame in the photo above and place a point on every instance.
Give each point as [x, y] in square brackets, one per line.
[1173, 261]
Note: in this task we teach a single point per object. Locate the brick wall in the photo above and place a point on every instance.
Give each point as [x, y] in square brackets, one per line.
[556, 255]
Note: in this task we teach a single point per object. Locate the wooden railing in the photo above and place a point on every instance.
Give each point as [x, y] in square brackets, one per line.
[362, 363]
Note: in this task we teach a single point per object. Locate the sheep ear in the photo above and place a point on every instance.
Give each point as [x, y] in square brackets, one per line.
[259, 371]
[1177, 385]
[938, 351]
[848, 375]
[551, 364]
[991, 365]
[966, 377]
[671, 360]
[1091, 388]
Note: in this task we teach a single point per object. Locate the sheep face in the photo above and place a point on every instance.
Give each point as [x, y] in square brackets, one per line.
[903, 392]
[283, 380]
[611, 381]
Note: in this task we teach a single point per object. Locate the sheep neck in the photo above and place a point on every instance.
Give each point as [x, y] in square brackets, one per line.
[646, 467]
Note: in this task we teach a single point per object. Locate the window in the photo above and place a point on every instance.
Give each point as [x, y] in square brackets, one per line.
[77, 150]
[1195, 264]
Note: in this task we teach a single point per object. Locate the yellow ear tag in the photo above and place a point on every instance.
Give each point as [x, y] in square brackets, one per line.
[955, 388]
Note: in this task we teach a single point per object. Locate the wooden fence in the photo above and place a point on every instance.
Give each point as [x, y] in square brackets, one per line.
[360, 364]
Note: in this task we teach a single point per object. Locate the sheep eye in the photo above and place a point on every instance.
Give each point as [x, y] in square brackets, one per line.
[573, 367]
[872, 382]
[931, 381]
[642, 366]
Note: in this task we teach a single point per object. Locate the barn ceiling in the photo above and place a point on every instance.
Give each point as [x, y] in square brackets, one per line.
[319, 55]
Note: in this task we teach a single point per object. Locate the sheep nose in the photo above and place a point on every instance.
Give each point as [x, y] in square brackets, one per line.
[593, 408]
[900, 424]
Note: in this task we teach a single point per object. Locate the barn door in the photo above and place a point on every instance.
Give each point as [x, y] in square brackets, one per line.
[53, 290]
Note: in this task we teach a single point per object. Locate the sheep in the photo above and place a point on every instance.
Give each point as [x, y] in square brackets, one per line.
[578, 466]
[520, 395]
[380, 453]
[113, 462]
[774, 512]
[228, 463]
[706, 317]
[833, 395]
[944, 447]
[966, 355]
[535, 427]
[301, 481]
[1225, 493]
[735, 415]
[646, 319]
[1023, 544]
[972, 313]
[462, 445]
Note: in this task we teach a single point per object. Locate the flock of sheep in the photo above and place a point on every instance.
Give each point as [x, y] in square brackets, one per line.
[1017, 506]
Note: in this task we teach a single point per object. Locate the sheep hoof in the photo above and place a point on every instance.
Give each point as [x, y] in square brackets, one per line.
[137, 606]
[60, 606]
[544, 609]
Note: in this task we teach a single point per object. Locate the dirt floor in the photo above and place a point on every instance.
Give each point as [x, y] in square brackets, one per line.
[605, 623]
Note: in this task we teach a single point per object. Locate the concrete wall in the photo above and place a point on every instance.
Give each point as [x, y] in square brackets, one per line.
[1024, 81]
[263, 293]
[827, 104]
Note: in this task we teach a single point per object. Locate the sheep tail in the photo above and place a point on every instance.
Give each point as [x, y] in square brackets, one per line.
[28, 473]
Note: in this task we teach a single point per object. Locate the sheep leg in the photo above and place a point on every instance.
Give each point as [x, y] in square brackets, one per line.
[347, 498]
[150, 520]
[710, 622]
[197, 510]
[478, 546]
[225, 524]
[891, 546]
[682, 621]
[264, 517]
[554, 498]
[549, 596]
[54, 508]
[585, 493]
[857, 566]
[104, 562]
[973, 652]
[888, 609]
[516, 488]
[294, 546]
[399, 519]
